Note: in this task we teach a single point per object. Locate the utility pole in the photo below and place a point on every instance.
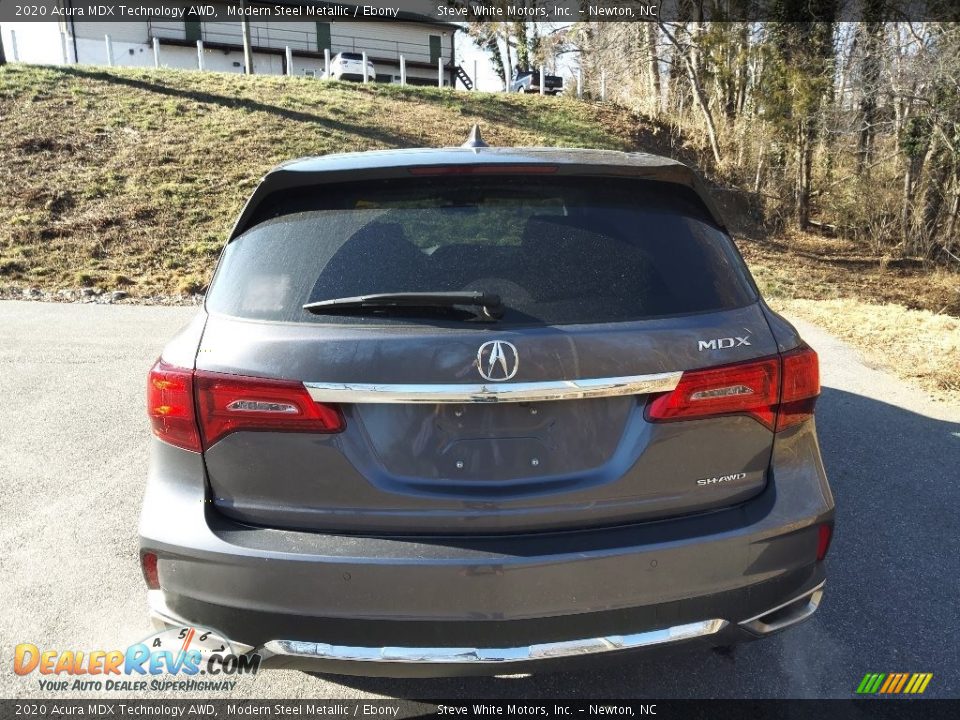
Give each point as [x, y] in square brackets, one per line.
[247, 50]
[3, 55]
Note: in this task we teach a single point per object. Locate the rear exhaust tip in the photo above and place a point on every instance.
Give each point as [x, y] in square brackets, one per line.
[783, 616]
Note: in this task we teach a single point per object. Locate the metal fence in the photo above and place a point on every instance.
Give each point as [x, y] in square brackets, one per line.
[279, 36]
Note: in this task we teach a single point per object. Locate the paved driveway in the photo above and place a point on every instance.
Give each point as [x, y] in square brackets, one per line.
[73, 442]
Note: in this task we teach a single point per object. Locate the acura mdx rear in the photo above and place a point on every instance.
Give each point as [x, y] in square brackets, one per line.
[481, 411]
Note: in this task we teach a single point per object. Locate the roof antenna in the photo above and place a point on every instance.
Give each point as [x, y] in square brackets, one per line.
[474, 140]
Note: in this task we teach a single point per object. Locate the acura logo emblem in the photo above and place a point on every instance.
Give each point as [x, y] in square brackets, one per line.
[498, 360]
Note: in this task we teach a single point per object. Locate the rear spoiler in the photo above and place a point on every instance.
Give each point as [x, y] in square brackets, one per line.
[344, 168]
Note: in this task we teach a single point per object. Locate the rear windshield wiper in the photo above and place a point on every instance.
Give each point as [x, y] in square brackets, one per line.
[489, 303]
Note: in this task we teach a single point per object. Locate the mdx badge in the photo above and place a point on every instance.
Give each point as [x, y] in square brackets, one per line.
[723, 343]
[498, 360]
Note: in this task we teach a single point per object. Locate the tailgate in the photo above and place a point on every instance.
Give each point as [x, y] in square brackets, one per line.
[432, 446]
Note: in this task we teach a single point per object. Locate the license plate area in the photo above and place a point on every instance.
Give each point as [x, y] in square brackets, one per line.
[495, 442]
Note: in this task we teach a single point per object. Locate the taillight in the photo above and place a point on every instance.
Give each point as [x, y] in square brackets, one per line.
[170, 406]
[750, 388]
[231, 403]
[148, 564]
[779, 392]
[194, 409]
[824, 535]
[801, 387]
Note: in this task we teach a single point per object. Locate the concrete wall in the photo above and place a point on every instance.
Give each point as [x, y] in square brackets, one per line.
[40, 43]
[128, 54]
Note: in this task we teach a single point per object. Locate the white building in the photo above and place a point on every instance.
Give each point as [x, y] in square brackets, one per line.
[421, 40]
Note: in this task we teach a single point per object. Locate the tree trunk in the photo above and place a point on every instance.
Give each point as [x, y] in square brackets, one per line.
[872, 41]
[653, 63]
[937, 163]
[3, 55]
[951, 228]
[705, 109]
[743, 67]
[758, 178]
[698, 94]
[805, 138]
[912, 171]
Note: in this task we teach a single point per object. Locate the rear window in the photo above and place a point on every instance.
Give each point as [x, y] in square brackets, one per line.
[351, 56]
[558, 251]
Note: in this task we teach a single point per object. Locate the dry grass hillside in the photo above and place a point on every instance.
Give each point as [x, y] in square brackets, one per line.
[129, 179]
[133, 178]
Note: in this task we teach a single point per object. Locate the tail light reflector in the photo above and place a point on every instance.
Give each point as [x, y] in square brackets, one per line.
[230, 403]
[148, 563]
[825, 535]
[170, 406]
[194, 409]
[779, 392]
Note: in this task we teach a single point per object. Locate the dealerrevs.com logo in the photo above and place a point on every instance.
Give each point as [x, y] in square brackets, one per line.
[188, 659]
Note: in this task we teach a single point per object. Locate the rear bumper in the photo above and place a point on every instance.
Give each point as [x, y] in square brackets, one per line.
[416, 606]
[446, 660]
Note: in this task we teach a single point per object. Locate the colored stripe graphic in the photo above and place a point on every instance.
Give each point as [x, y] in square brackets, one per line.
[870, 683]
[918, 683]
[894, 683]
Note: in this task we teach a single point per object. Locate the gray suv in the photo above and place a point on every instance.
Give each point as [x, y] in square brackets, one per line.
[482, 411]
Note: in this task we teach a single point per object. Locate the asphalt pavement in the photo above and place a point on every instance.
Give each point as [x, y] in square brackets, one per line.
[73, 454]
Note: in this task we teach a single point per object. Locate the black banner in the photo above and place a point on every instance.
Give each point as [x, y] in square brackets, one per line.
[462, 11]
[132, 709]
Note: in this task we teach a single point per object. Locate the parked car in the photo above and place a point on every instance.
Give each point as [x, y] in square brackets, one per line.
[528, 81]
[483, 411]
[349, 66]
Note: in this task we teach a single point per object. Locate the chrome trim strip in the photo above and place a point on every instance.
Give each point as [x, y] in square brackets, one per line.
[493, 392]
[757, 626]
[454, 655]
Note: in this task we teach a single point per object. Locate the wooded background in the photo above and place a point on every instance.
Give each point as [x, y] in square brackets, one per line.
[847, 128]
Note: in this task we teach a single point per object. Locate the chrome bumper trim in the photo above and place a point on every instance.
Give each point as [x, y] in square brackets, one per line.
[454, 655]
[763, 624]
[493, 393]
[163, 618]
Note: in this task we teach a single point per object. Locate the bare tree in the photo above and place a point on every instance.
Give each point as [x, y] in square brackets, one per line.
[870, 36]
[653, 65]
[689, 56]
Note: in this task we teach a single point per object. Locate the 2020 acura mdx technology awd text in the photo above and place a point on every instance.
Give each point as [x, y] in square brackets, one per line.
[482, 411]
